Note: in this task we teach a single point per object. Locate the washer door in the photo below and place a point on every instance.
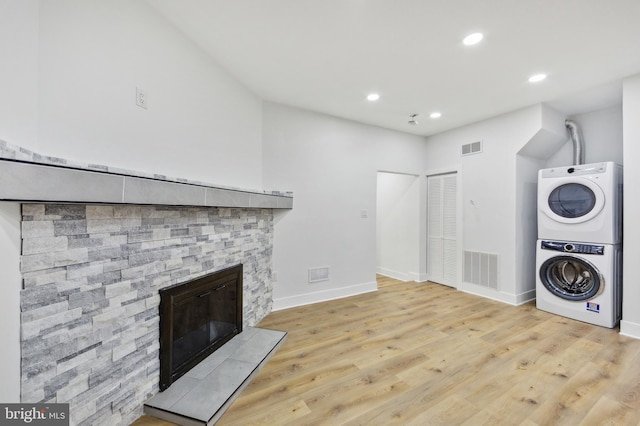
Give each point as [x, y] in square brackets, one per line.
[571, 278]
[575, 200]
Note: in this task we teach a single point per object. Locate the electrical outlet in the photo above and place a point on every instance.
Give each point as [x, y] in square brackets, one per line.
[364, 214]
[141, 98]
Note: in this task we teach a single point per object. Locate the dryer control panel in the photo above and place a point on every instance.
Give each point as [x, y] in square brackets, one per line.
[578, 170]
[572, 247]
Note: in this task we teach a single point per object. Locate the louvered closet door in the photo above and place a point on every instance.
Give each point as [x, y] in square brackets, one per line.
[442, 248]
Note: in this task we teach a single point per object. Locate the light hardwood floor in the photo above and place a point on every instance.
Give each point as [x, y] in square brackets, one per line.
[423, 354]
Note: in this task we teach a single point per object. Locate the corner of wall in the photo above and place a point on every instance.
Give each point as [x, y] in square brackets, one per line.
[500, 296]
[630, 329]
[323, 296]
[10, 302]
[630, 325]
[549, 137]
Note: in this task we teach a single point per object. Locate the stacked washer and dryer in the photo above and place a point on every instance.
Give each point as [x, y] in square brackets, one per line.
[579, 248]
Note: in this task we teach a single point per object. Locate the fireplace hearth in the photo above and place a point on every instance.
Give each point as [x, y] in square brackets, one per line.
[197, 318]
[203, 394]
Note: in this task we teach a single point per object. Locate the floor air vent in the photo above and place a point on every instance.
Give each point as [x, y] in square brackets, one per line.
[481, 269]
[472, 148]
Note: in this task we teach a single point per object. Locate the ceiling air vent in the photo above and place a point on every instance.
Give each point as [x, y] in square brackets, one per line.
[472, 148]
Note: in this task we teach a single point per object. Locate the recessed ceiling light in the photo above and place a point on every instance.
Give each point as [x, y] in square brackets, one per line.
[435, 115]
[537, 77]
[373, 97]
[472, 39]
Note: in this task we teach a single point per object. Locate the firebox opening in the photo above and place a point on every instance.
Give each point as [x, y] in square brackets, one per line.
[196, 318]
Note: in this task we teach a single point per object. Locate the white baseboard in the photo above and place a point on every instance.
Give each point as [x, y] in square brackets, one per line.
[526, 297]
[489, 293]
[323, 296]
[419, 278]
[402, 276]
[630, 329]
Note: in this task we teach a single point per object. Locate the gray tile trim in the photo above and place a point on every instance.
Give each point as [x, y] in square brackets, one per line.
[171, 417]
[179, 389]
[257, 347]
[261, 201]
[285, 202]
[147, 191]
[214, 389]
[22, 181]
[25, 181]
[227, 198]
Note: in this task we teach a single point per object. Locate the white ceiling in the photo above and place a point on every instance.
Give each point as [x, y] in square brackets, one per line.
[327, 55]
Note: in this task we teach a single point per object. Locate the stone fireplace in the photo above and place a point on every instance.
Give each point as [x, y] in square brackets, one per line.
[92, 275]
[97, 247]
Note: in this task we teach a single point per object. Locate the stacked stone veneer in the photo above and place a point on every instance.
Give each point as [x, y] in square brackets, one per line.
[91, 275]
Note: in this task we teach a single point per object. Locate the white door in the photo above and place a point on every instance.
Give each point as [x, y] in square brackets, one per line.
[442, 238]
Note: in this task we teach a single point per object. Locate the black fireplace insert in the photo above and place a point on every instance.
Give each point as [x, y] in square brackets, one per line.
[196, 318]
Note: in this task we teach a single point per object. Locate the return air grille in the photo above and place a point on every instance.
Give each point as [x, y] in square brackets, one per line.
[472, 148]
[318, 274]
[481, 269]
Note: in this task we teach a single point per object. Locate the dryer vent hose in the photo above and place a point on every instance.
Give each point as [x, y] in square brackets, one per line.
[578, 143]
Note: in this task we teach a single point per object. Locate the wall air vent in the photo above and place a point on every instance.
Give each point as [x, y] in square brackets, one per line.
[481, 269]
[318, 274]
[472, 148]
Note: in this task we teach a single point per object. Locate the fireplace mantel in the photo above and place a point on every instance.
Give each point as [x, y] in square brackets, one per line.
[26, 176]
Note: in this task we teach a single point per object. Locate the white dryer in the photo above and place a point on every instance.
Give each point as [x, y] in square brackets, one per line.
[581, 203]
[580, 281]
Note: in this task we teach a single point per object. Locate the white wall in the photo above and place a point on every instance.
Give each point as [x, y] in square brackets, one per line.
[493, 213]
[18, 121]
[527, 222]
[200, 124]
[630, 324]
[602, 136]
[398, 231]
[331, 165]
[19, 71]
[10, 244]
[67, 89]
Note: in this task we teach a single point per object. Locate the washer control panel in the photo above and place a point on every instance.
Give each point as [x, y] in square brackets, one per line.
[572, 247]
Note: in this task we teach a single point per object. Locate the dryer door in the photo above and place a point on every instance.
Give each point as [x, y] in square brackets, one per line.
[572, 200]
[571, 278]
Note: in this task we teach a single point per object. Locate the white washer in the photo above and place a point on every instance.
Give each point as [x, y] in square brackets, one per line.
[580, 281]
[581, 203]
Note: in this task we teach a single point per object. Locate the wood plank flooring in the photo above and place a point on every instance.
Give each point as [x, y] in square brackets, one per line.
[426, 354]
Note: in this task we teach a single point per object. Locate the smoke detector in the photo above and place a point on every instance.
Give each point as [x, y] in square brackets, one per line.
[412, 119]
